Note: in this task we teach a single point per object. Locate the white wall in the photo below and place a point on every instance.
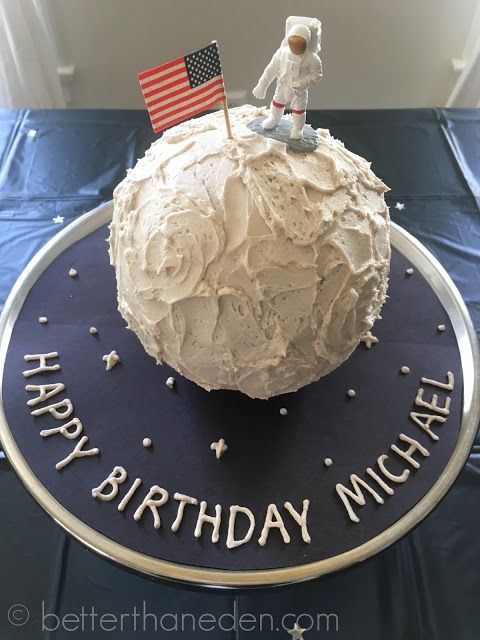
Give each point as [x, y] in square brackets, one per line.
[375, 53]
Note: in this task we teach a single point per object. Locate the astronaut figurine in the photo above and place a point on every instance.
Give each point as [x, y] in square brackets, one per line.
[296, 66]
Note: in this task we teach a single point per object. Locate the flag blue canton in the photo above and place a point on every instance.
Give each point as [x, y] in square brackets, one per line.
[203, 65]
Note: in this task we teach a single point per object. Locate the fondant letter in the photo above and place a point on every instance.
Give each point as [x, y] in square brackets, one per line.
[183, 500]
[301, 520]
[271, 523]
[357, 497]
[152, 504]
[231, 542]
[46, 391]
[213, 520]
[43, 367]
[117, 477]
[78, 452]
[414, 446]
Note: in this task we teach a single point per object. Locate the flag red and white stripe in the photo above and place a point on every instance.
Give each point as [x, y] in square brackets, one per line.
[183, 87]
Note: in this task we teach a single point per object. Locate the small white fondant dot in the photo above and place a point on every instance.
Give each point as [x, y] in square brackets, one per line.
[170, 382]
[93, 330]
[72, 273]
[441, 327]
[409, 271]
[328, 462]
[405, 370]
[283, 411]
[351, 393]
[147, 442]
[43, 319]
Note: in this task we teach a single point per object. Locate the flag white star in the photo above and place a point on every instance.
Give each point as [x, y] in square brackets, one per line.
[297, 632]
[58, 219]
[400, 206]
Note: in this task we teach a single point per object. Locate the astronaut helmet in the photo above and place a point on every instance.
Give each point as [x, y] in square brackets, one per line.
[310, 29]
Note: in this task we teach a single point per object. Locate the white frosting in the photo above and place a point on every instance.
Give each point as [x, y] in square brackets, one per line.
[170, 382]
[54, 409]
[46, 391]
[368, 339]
[403, 477]
[116, 478]
[147, 442]
[300, 518]
[215, 521]
[183, 500]
[449, 385]
[356, 495]
[64, 430]
[405, 370]
[273, 520]
[433, 404]
[413, 448]
[151, 503]
[43, 366]
[387, 488]
[328, 462]
[283, 411]
[232, 542]
[111, 359]
[78, 452]
[128, 496]
[43, 319]
[351, 393]
[244, 265]
[93, 330]
[424, 420]
[219, 447]
[73, 273]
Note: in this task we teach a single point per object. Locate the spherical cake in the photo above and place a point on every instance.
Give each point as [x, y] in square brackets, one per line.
[245, 265]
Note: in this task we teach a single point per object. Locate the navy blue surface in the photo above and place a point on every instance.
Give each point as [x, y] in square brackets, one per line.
[427, 584]
[271, 458]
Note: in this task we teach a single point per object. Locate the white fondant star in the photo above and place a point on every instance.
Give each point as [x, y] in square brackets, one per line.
[368, 339]
[219, 447]
[58, 219]
[111, 359]
[400, 206]
[297, 632]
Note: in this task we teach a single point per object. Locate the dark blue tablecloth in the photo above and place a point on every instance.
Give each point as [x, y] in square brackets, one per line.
[59, 164]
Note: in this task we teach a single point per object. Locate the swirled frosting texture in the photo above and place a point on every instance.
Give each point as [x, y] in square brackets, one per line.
[244, 265]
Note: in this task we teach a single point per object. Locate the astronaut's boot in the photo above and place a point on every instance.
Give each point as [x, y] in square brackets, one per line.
[298, 122]
[276, 113]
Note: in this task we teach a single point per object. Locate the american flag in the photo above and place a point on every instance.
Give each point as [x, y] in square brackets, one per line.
[179, 89]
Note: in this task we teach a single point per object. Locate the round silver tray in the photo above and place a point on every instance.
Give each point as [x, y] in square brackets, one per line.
[449, 296]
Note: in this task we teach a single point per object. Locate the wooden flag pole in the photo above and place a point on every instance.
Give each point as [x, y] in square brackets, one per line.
[227, 118]
[225, 105]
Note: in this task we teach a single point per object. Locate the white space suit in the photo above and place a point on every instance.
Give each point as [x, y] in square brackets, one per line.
[294, 74]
